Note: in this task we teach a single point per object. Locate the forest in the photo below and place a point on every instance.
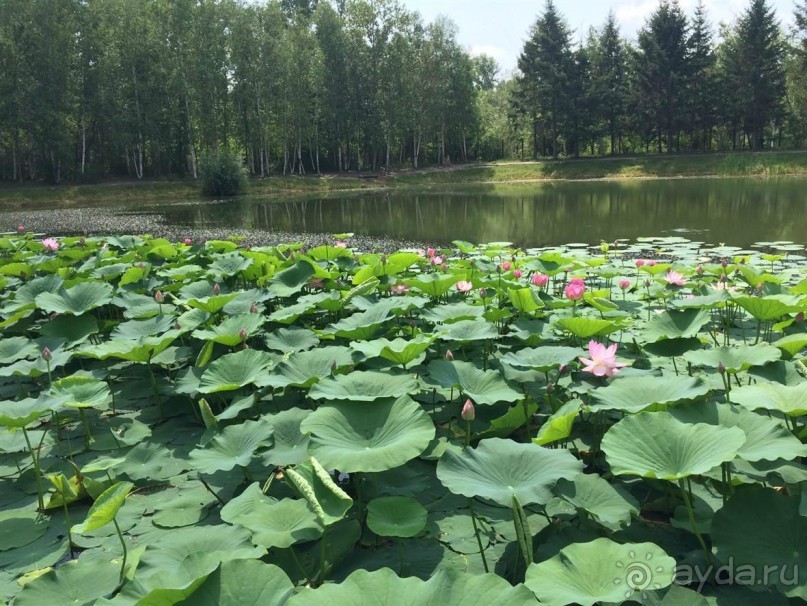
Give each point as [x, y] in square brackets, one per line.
[97, 89]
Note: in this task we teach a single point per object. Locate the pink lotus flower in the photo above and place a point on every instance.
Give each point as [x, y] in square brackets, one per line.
[159, 297]
[463, 286]
[399, 289]
[674, 278]
[639, 262]
[430, 252]
[21, 228]
[650, 263]
[187, 241]
[436, 260]
[575, 289]
[506, 266]
[540, 279]
[624, 284]
[340, 244]
[50, 244]
[517, 273]
[603, 360]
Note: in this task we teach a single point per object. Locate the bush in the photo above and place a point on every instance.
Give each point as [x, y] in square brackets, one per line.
[222, 174]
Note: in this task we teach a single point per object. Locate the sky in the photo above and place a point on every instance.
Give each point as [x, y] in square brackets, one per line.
[499, 27]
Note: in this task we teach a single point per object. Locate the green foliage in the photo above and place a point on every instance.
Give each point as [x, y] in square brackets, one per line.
[222, 174]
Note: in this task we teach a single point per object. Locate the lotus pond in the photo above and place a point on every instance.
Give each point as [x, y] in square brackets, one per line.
[203, 423]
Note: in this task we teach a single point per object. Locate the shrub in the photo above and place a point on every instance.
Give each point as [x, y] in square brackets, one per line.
[222, 174]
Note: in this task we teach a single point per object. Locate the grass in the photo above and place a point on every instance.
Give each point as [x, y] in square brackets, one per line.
[760, 164]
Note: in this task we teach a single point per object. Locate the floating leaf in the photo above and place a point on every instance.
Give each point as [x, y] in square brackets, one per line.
[636, 393]
[77, 300]
[363, 386]
[482, 386]
[235, 370]
[396, 516]
[235, 445]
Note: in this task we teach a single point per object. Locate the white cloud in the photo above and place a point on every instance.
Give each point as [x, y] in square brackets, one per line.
[488, 49]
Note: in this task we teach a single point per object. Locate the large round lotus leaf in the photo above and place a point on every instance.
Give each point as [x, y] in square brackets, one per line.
[135, 350]
[81, 392]
[76, 582]
[766, 309]
[362, 325]
[433, 284]
[75, 329]
[22, 412]
[212, 304]
[82, 297]
[770, 548]
[636, 393]
[305, 368]
[585, 328]
[364, 386]
[19, 527]
[289, 340]
[291, 280]
[447, 588]
[187, 508]
[657, 445]
[469, 330]
[368, 437]
[498, 469]
[229, 332]
[290, 445]
[734, 359]
[600, 571]
[243, 582]
[559, 424]
[396, 516]
[137, 329]
[452, 312]
[234, 370]
[151, 461]
[235, 445]
[766, 439]
[482, 386]
[610, 506]
[792, 344]
[543, 358]
[788, 399]
[675, 325]
[398, 351]
[17, 348]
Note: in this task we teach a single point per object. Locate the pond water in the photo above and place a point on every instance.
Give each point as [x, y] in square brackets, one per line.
[731, 211]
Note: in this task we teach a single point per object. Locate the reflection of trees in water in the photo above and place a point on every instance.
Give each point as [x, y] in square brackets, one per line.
[733, 211]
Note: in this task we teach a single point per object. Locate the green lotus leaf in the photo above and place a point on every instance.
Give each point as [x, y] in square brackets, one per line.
[637, 393]
[559, 425]
[73, 329]
[229, 331]
[79, 581]
[136, 305]
[482, 386]
[26, 295]
[363, 325]
[20, 527]
[452, 312]
[243, 582]
[447, 588]
[542, 359]
[600, 571]
[670, 348]
[276, 523]
[291, 280]
[81, 392]
[398, 351]
[396, 516]
[229, 264]
[304, 368]
[234, 370]
[363, 386]
[734, 359]
[790, 400]
[105, 507]
[766, 439]
[290, 445]
[434, 284]
[23, 412]
[610, 506]
[353, 437]
[235, 445]
[137, 329]
[469, 330]
[185, 509]
[17, 348]
[766, 309]
[77, 300]
[792, 344]
[657, 445]
[135, 350]
[151, 461]
[525, 300]
[316, 486]
[500, 469]
[304, 305]
[685, 324]
[290, 340]
[585, 328]
[770, 548]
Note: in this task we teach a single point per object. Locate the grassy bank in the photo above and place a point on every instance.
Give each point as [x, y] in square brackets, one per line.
[767, 164]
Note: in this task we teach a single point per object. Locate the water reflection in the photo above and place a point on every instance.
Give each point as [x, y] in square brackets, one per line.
[734, 211]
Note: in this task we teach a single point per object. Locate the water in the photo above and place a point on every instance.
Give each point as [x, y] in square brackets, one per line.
[731, 211]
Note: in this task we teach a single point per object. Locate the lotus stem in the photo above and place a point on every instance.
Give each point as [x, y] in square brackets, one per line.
[125, 551]
[321, 577]
[37, 472]
[693, 523]
[86, 425]
[300, 565]
[478, 534]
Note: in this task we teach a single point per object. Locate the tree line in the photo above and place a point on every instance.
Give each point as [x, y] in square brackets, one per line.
[680, 86]
[91, 89]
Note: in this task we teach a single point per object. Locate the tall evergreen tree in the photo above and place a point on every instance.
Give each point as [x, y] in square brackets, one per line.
[701, 93]
[610, 80]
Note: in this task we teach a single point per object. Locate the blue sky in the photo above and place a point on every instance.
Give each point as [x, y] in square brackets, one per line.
[499, 27]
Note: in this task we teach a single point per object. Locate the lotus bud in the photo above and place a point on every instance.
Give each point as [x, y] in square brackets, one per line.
[177, 326]
[550, 387]
[472, 263]
[624, 284]
[517, 274]
[639, 262]
[699, 270]
[468, 412]
[430, 252]
[242, 334]
[187, 241]
[159, 296]
[253, 309]
[47, 355]
[443, 267]
[724, 278]
[82, 242]
[21, 228]
[216, 289]
[483, 292]
[141, 265]
[720, 368]
[647, 283]
[564, 368]
[724, 263]
[383, 259]
[449, 355]
[800, 317]
[22, 276]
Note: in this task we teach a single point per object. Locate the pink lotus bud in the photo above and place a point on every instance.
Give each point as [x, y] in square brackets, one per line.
[430, 252]
[624, 284]
[47, 355]
[647, 283]
[699, 270]
[724, 263]
[720, 368]
[159, 296]
[550, 387]
[540, 280]
[575, 289]
[242, 334]
[443, 267]
[187, 241]
[216, 288]
[639, 262]
[253, 309]
[468, 412]
[21, 228]
[506, 266]
[449, 355]
[483, 292]
[759, 287]
[517, 273]
[564, 368]
[650, 262]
